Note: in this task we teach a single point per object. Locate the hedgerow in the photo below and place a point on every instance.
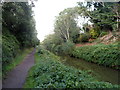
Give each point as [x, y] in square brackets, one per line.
[10, 47]
[108, 55]
[50, 73]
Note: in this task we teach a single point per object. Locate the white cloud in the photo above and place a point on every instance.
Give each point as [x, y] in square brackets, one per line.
[45, 12]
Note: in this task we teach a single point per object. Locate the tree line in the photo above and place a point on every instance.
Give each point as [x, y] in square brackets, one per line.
[104, 18]
[18, 29]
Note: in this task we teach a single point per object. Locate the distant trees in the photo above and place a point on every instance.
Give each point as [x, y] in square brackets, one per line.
[104, 17]
[66, 32]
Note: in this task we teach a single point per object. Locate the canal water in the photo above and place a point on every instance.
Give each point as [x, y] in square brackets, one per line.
[101, 73]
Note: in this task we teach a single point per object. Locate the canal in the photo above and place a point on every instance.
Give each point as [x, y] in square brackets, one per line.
[101, 73]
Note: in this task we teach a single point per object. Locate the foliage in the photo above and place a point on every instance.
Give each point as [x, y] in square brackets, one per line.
[18, 32]
[65, 33]
[18, 19]
[86, 27]
[107, 55]
[59, 49]
[66, 26]
[104, 14]
[51, 41]
[10, 47]
[66, 48]
[94, 33]
[84, 37]
[50, 73]
[18, 28]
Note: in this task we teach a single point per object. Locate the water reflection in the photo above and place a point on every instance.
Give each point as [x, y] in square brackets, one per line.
[102, 73]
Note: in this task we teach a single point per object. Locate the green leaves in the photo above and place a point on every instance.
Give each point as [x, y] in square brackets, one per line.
[18, 30]
[105, 15]
[84, 37]
[19, 21]
[50, 73]
[10, 47]
[107, 55]
[65, 25]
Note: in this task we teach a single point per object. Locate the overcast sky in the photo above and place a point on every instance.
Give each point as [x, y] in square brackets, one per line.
[45, 12]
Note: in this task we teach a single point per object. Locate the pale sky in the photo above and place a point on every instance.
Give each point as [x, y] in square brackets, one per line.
[45, 12]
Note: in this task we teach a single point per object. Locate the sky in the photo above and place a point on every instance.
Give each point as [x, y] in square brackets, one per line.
[45, 12]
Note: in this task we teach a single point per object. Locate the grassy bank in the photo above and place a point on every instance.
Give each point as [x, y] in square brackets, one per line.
[17, 60]
[107, 55]
[48, 72]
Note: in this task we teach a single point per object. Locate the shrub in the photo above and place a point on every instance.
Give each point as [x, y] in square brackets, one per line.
[64, 49]
[67, 47]
[107, 55]
[84, 37]
[10, 47]
[40, 49]
[50, 73]
[94, 32]
[58, 50]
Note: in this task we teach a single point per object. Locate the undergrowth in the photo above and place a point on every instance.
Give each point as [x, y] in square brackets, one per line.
[107, 55]
[48, 72]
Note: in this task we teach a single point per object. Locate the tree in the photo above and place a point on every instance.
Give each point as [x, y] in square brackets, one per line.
[18, 19]
[103, 14]
[65, 33]
[18, 29]
[66, 26]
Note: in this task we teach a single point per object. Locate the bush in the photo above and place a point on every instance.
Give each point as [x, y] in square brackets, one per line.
[50, 73]
[94, 32]
[84, 37]
[40, 49]
[107, 55]
[65, 48]
[58, 50]
[10, 48]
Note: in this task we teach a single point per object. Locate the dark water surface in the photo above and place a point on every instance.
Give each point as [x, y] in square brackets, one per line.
[101, 73]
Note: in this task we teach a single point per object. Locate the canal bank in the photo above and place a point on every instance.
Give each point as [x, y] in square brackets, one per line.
[101, 73]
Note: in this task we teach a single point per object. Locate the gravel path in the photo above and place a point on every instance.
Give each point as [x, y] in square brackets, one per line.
[16, 77]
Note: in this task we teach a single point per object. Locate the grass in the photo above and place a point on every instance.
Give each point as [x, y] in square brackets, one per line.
[16, 61]
[29, 81]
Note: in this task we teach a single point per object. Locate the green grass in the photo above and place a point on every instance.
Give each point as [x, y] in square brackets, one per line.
[107, 55]
[49, 72]
[17, 60]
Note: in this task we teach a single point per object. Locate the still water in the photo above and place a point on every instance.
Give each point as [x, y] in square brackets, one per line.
[101, 73]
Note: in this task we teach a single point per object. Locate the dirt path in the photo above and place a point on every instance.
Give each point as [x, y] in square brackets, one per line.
[16, 78]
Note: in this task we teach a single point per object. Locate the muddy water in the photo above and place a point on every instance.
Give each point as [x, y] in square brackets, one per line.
[101, 73]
